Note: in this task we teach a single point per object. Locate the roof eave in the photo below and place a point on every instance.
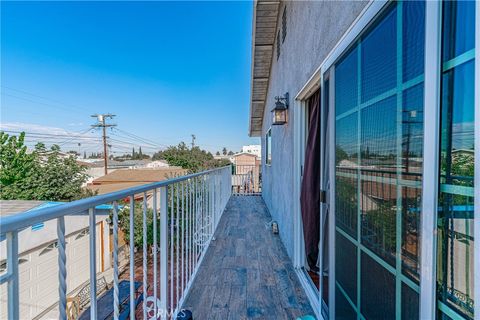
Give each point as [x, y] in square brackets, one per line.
[260, 67]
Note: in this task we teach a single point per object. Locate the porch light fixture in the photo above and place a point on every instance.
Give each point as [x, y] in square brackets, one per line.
[280, 110]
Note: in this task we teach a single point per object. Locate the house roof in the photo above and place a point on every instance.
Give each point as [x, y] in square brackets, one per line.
[127, 163]
[140, 175]
[90, 164]
[128, 178]
[244, 154]
[265, 16]
[10, 207]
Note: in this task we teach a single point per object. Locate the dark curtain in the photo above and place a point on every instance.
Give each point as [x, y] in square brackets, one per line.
[310, 192]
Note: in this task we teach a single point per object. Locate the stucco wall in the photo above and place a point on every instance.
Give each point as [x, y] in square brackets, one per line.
[313, 29]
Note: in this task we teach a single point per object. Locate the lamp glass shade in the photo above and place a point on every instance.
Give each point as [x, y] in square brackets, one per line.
[279, 116]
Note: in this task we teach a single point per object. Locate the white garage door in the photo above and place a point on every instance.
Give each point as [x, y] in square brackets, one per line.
[38, 288]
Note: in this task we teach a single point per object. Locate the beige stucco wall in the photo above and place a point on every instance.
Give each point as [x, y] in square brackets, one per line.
[313, 29]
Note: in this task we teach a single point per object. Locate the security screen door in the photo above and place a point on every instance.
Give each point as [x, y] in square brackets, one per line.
[378, 167]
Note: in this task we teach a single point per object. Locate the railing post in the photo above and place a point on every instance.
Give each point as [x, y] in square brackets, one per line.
[177, 244]
[228, 185]
[145, 257]
[163, 252]
[132, 257]
[183, 236]
[93, 264]
[172, 216]
[211, 202]
[115, 262]
[62, 268]
[12, 265]
[155, 252]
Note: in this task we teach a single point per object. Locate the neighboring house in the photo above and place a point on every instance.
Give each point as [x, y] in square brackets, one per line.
[222, 157]
[253, 149]
[127, 164]
[245, 159]
[38, 257]
[126, 178]
[157, 164]
[94, 170]
[341, 96]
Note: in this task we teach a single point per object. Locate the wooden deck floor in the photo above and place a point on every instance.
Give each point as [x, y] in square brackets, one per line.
[246, 272]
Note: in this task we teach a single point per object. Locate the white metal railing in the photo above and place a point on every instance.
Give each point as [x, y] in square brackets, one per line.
[246, 180]
[188, 210]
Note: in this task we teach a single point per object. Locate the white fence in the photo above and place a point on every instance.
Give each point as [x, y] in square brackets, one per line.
[174, 234]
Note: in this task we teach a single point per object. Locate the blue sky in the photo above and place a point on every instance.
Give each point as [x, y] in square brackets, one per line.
[166, 69]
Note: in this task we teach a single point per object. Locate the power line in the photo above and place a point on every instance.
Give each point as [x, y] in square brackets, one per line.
[39, 102]
[70, 106]
[145, 140]
[133, 144]
[78, 137]
[73, 138]
[137, 141]
[51, 135]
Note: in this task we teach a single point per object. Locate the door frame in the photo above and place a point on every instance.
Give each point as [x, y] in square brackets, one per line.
[299, 258]
[300, 135]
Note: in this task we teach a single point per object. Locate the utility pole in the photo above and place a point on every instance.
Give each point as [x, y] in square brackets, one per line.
[102, 124]
[193, 140]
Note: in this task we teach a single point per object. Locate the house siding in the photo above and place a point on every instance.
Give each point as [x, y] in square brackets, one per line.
[313, 29]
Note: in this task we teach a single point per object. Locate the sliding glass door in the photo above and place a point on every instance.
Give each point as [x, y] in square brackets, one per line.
[378, 96]
[378, 167]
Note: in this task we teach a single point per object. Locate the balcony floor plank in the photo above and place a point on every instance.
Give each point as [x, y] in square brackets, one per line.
[246, 273]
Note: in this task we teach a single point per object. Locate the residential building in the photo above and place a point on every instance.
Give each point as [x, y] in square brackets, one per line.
[127, 178]
[38, 257]
[94, 170]
[157, 164]
[222, 157]
[255, 149]
[127, 164]
[368, 116]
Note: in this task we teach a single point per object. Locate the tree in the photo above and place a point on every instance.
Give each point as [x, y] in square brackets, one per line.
[224, 151]
[84, 155]
[15, 161]
[193, 159]
[340, 154]
[124, 224]
[39, 175]
[230, 153]
[218, 153]
[41, 148]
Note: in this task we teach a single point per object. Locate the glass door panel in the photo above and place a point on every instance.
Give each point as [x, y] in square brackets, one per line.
[455, 207]
[378, 167]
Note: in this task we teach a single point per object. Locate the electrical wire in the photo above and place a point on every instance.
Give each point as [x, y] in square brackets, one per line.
[67, 105]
